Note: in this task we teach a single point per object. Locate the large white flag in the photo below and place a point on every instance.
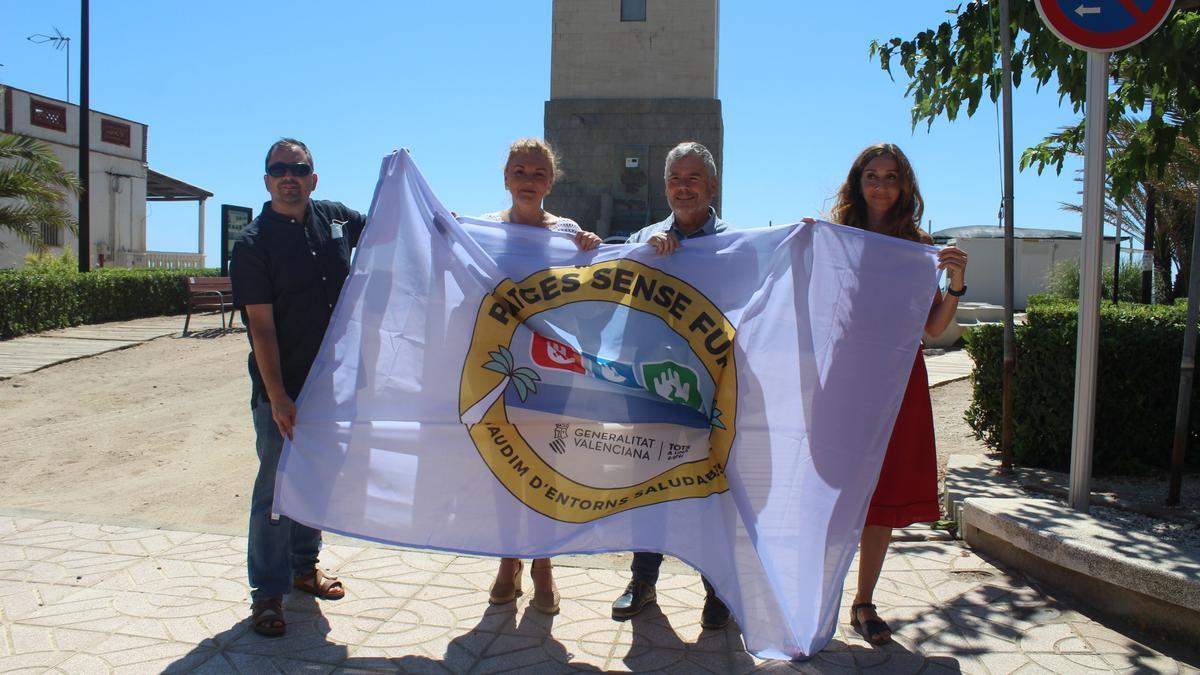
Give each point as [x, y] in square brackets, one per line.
[486, 388]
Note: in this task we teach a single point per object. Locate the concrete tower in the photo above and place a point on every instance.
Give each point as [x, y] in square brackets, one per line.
[629, 80]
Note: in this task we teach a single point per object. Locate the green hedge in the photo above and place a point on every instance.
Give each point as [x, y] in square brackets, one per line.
[1137, 385]
[33, 301]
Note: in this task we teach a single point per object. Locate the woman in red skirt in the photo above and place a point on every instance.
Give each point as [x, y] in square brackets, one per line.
[881, 195]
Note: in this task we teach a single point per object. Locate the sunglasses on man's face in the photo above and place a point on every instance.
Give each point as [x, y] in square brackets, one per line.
[281, 169]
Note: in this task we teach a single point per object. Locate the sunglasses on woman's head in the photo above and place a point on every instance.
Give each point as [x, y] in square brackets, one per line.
[281, 169]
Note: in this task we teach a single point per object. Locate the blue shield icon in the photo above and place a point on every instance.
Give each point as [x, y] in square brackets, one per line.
[614, 372]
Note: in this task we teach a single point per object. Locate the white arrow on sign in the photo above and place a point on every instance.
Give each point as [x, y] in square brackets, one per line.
[1081, 10]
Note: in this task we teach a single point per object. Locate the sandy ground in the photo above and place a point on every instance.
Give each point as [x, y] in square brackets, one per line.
[159, 435]
[954, 437]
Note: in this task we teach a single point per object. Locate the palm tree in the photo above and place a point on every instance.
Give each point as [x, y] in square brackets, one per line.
[1175, 195]
[33, 188]
[524, 379]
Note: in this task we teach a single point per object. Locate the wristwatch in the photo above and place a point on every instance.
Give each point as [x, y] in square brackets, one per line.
[959, 293]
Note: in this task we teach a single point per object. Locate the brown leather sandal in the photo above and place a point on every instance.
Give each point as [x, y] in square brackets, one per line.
[320, 584]
[266, 616]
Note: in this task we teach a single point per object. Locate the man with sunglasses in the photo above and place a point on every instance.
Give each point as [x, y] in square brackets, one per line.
[287, 272]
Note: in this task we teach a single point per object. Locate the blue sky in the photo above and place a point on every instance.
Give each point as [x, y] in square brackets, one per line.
[218, 81]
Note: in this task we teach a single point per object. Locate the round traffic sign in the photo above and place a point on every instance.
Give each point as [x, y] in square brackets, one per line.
[1103, 25]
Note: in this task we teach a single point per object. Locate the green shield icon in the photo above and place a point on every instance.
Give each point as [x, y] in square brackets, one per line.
[673, 382]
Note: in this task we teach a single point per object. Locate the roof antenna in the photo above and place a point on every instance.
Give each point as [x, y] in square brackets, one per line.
[59, 41]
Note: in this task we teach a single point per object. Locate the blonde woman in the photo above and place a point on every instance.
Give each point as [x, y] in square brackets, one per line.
[529, 174]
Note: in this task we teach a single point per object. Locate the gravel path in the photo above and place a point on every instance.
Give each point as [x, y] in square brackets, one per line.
[954, 437]
[1131, 503]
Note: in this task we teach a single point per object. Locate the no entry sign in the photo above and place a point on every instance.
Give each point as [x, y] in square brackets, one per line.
[1103, 25]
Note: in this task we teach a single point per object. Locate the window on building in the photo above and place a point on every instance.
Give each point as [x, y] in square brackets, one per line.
[114, 132]
[47, 115]
[633, 10]
[51, 235]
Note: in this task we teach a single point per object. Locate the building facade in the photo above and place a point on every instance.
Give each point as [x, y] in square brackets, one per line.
[629, 80]
[121, 182]
[1035, 253]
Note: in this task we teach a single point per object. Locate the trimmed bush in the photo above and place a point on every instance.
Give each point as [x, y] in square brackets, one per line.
[1063, 281]
[1137, 385]
[34, 301]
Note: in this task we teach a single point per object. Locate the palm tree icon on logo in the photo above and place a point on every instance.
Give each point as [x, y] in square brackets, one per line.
[524, 380]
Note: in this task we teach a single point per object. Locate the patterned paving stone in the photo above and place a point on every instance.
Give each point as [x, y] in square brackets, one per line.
[210, 581]
[211, 548]
[122, 653]
[56, 566]
[81, 598]
[38, 662]
[525, 653]
[1076, 663]
[222, 664]
[1002, 663]
[645, 658]
[309, 639]
[389, 565]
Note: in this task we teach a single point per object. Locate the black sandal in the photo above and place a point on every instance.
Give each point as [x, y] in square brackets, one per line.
[871, 628]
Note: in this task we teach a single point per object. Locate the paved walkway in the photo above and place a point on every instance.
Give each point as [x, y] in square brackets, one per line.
[82, 598]
[28, 353]
[948, 367]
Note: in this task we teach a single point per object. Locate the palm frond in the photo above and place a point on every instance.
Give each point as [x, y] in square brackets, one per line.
[497, 367]
[715, 418]
[522, 387]
[528, 373]
[524, 379]
[34, 187]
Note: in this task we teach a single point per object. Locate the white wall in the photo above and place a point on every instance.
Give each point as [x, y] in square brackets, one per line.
[1032, 261]
[672, 54]
[117, 176]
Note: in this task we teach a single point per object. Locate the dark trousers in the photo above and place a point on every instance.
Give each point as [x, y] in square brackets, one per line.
[645, 569]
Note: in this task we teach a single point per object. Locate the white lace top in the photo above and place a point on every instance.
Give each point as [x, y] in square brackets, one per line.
[564, 225]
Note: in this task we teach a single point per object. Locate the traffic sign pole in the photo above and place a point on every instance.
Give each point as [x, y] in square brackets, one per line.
[1089, 283]
[1099, 27]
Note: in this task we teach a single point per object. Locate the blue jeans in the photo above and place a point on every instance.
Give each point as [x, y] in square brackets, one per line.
[282, 549]
[645, 569]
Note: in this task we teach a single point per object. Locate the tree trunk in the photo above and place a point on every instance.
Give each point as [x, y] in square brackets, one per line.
[1164, 289]
[1149, 241]
[475, 414]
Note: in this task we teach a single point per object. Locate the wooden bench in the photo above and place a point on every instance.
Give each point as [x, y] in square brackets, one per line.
[208, 293]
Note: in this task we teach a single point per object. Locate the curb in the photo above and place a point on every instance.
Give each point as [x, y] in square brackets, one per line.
[1125, 574]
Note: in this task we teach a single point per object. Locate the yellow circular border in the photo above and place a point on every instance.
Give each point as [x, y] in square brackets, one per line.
[522, 471]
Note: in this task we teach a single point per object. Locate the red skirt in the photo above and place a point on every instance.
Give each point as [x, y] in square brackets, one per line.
[907, 488]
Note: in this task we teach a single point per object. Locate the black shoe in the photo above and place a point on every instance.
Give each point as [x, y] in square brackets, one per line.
[715, 615]
[637, 595]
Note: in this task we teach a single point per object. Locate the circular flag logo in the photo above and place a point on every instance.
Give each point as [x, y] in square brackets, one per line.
[593, 390]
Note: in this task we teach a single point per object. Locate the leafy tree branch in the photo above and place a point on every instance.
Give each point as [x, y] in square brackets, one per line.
[953, 67]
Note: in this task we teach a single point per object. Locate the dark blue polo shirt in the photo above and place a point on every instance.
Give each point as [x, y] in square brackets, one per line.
[299, 270]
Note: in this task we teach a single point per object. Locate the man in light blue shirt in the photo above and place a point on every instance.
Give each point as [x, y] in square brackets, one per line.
[691, 176]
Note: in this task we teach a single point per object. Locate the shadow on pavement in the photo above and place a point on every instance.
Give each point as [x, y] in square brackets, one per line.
[305, 646]
[207, 333]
